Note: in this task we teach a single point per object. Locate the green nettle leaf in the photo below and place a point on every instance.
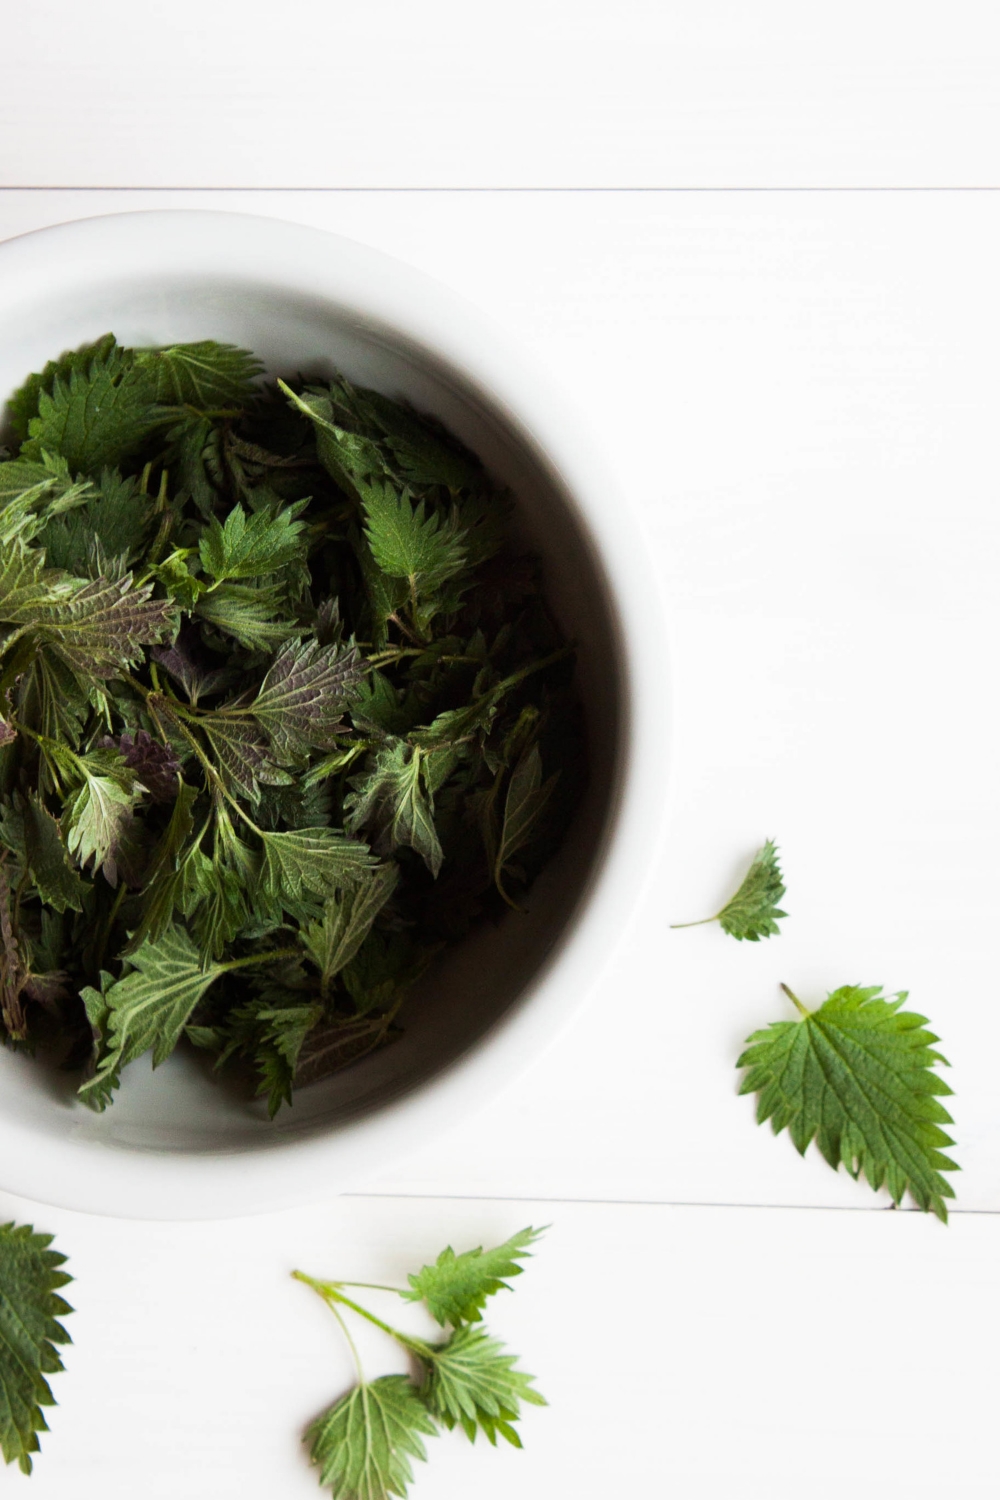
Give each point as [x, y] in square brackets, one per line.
[472, 1382]
[149, 1008]
[407, 540]
[104, 625]
[455, 1287]
[347, 919]
[753, 911]
[250, 546]
[303, 696]
[304, 863]
[23, 405]
[253, 616]
[394, 801]
[30, 1279]
[30, 831]
[95, 417]
[99, 815]
[527, 798]
[468, 1379]
[27, 587]
[112, 518]
[857, 1076]
[242, 754]
[363, 1444]
[205, 375]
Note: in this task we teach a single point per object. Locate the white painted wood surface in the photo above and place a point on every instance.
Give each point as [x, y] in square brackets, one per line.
[531, 93]
[801, 391]
[695, 1352]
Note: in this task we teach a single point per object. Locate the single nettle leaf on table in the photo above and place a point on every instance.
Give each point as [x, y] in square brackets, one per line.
[857, 1076]
[363, 1445]
[472, 1382]
[456, 1287]
[95, 417]
[302, 698]
[753, 912]
[30, 1279]
[250, 545]
[206, 375]
[149, 1008]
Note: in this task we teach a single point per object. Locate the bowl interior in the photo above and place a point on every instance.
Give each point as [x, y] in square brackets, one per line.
[179, 1107]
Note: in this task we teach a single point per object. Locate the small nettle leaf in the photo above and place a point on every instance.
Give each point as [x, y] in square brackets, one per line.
[456, 1287]
[97, 416]
[473, 1383]
[527, 798]
[31, 1278]
[857, 1076]
[252, 545]
[27, 586]
[302, 698]
[104, 625]
[112, 516]
[364, 1443]
[23, 405]
[148, 1009]
[155, 765]
[30, 831]
[303, 864]
[753, 912]
[241, 754]
[347, 919]
[97, 818]
[409, 541]
[204, 375]
[392, 801]
[255, 616]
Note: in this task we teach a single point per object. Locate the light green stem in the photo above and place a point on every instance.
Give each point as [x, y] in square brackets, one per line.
[796, 1001]
[331, 1293]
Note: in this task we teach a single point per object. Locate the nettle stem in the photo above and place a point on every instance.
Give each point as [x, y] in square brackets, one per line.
[796, 1001]
[700, 923]
[332, 1293]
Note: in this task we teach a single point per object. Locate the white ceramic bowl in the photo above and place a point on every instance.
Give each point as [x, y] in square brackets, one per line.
[176, 1144]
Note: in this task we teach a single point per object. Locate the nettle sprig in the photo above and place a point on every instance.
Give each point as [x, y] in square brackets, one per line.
[363, 1444]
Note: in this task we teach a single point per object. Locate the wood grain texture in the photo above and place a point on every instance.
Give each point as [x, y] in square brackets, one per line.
[536, 93]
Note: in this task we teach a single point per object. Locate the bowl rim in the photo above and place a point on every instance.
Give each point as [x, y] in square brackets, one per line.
[145, 1183]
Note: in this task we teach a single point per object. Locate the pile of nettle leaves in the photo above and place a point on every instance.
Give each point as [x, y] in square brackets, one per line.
[283, 712]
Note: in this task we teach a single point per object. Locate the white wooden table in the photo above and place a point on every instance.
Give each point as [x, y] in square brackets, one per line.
[800, 386]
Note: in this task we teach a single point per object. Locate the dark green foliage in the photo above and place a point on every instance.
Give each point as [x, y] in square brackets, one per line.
[281, 713]
[30, 1279]
[363, 1444]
